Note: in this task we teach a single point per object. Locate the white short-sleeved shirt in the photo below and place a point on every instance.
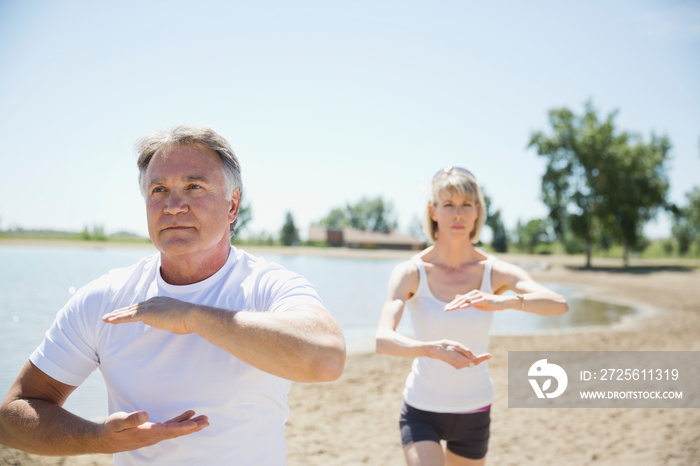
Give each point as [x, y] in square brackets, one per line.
[434, 385]
[166, 374]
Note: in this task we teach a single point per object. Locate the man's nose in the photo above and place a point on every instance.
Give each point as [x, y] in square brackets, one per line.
[175, 204]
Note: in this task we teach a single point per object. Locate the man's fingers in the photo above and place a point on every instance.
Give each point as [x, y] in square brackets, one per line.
[125, 314]
[123, 421]
[182, 417]
[119, 313]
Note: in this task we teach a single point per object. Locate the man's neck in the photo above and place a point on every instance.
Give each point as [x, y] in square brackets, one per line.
[189, 269]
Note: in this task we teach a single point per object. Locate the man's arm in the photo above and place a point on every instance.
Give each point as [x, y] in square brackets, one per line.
[32, 419]
[303, 344]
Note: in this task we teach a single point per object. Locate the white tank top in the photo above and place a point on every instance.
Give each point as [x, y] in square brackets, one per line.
[434, 385]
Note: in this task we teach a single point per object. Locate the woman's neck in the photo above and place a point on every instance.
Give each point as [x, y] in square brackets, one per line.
[454, 254]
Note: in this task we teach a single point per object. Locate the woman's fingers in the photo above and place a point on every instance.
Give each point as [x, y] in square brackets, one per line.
[463, 301]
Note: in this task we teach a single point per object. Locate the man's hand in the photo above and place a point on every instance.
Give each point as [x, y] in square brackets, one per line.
[160, 312]
[304, 343]
[456, 354]
[125, 432]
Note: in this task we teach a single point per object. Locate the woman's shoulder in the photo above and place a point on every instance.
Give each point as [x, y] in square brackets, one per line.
[507, 268]
[407, 268]
[426, 256]
[406, 276]
[506, 275]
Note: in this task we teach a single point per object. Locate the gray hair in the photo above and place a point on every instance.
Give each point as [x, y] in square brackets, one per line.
[187, 135]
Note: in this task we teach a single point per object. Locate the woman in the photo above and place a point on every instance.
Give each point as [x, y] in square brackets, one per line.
[450, 290]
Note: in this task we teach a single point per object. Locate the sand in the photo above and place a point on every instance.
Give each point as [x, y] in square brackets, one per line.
[353, 420]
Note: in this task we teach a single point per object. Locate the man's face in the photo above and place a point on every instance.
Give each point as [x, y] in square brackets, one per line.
[187, 206]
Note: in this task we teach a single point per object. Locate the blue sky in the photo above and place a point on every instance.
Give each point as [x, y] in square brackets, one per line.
[325, 102]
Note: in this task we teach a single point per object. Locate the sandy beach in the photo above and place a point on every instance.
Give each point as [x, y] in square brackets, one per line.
[353, 420]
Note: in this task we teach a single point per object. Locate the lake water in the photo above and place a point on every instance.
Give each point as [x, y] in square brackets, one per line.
[35, 282]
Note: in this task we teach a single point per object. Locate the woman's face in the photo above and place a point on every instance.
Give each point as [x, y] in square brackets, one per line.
[455, 215]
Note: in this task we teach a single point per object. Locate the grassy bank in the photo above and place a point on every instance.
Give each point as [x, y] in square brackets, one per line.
[527, 260]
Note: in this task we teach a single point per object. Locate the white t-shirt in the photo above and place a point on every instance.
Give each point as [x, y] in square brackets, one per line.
[166, 374]
[434, 385]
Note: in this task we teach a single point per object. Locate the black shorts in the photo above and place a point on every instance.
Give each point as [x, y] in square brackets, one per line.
[467, 435]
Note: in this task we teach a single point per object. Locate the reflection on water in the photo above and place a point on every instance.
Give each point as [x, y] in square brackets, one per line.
[36, 282]
[582, 313]
[355, 290]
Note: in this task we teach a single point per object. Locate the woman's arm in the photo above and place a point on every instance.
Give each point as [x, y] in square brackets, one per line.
[402, 285]
[534, 297]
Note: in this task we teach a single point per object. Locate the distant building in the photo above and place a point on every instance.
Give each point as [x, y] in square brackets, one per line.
[355, 238]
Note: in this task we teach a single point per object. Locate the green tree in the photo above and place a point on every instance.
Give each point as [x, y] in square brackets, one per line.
[367, 214]
[599, 180]
[97, 234]
[575, 151]
[289, 235]
[634, 189]
[532, 234]
[686, 223]
[336, 218]
[499, 236]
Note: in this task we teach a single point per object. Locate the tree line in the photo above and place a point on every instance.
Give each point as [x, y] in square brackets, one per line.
[601, 187]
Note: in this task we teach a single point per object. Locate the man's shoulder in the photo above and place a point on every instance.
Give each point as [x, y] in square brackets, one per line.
[259, 272]
[116, 279]
[250, 264]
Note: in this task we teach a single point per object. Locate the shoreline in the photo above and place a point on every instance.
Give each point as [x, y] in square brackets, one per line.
[532, 262]
[353, 420]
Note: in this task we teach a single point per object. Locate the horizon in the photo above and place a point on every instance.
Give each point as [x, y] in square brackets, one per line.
[327, 103]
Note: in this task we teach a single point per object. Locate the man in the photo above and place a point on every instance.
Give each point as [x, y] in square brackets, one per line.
[197, 344]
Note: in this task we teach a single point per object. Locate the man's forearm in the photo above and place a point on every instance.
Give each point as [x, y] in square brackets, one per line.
[44, 428]
[303, 344]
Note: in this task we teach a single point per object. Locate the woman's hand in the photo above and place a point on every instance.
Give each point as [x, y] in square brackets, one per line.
[455, 354]
[478, 299]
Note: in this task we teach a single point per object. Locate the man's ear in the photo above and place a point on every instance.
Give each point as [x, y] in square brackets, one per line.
[235, 205]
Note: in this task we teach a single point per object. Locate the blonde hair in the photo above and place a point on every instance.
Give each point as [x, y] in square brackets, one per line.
[454, 181]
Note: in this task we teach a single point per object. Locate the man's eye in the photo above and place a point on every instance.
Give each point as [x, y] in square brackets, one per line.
[195, 186]
[158, 189]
